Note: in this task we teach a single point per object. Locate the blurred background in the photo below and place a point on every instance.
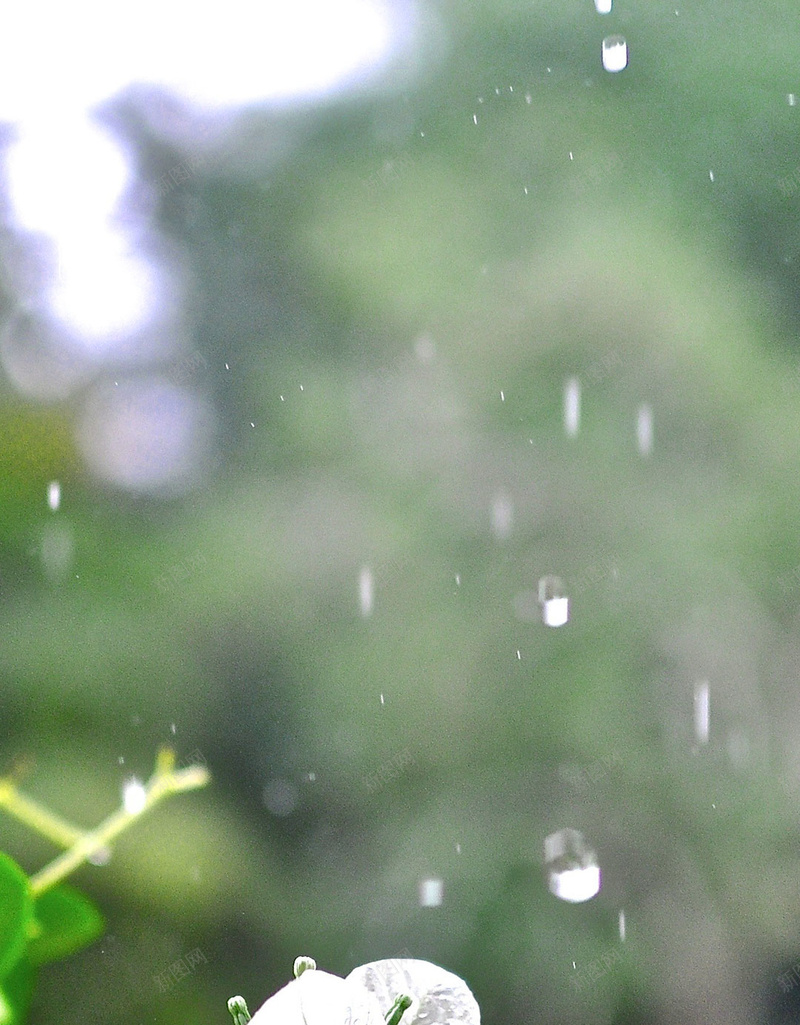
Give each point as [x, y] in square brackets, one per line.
[470, 310]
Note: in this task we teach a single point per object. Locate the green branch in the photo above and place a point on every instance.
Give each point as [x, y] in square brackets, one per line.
[80, 844]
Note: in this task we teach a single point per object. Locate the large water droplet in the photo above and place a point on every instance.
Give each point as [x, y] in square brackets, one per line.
[430, 893]
[572, 869]
[134, 796]
[615, 53]
[602, 6]
[554, 601]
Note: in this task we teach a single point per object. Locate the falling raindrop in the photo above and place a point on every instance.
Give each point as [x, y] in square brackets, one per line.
[622, 926]
[430, 893]
[791, 99]
[134, 796]
[572, 406]
[502, 516]
[701, 711]
[603, 6]
[365, 591]
[554, 601]
[56, 551]
[615, 53]
[172, 728]
[644, 430]
[54, 495]
[573, 872]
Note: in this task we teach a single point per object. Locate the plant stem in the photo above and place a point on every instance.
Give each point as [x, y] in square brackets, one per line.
[165, 780]
[396, 1011]
[37, 817]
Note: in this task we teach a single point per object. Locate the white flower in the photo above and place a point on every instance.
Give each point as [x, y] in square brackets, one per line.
[318, 998]
[438, 997]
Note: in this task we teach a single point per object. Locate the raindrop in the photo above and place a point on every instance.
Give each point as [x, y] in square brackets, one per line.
[622, 926]
[430, 893]
[711, 176]
[644, 430]
[502, 516]
[554, 601]
[172, 727]
[54, 495]
[56, 550]
[572, 406]
[365, 591]
[101, 857]
[458, 848]
[573, 872]
[134, 796]
[701, 711]
[791, 99]
[615, 53]
[603, 6]
[382, 701]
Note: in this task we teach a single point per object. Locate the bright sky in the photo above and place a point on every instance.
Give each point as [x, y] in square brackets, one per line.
[65, 176]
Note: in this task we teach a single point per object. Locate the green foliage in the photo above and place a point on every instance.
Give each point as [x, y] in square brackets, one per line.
[35, 930]
[42, 919]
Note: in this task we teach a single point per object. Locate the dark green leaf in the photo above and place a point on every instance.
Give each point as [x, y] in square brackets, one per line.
[15, 995]
[16, 913]
[67, 921]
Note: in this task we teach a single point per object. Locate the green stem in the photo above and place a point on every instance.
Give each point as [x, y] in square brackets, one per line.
[165, 780]
[395, 1012]
[239, 1012]
[38, 818]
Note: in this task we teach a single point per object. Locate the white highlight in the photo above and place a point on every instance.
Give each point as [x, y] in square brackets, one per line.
[644, 430]
[554, 602]
[603, 6]
[134, 796]
[366, 596]
[615, 53]
[66, 175]
[572, 406]
[573, 872]
[431, 893]
[54, 495]
[701, 711]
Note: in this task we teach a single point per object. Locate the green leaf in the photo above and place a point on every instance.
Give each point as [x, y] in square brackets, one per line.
[67, 921]
[16, 913]
[15, 995]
